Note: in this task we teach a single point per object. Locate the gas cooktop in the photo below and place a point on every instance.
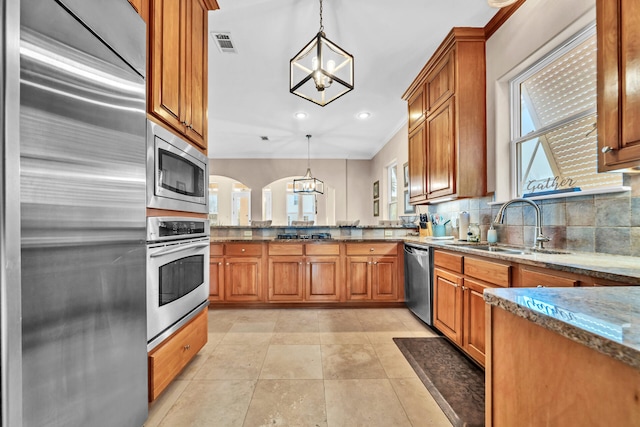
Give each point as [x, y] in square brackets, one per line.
[315, 236]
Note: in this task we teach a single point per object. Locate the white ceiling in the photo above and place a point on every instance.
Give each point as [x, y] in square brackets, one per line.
[249, 90]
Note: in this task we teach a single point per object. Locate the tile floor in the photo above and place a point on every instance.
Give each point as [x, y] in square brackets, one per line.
[301, 367]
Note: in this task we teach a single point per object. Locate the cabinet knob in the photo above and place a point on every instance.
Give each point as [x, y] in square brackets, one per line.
[227, 263]
[308, 263]
[607, 149]
[183, 123]
[243, 249]
[300, 263]
[369, 263]
[464, 288]
[540, 286]
[375, 262]
[187, 347]
[219, 263]
[371, 250]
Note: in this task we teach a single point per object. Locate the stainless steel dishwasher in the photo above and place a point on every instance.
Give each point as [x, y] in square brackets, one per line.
[417, 281]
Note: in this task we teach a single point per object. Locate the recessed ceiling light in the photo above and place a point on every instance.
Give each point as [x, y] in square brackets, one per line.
[300, 115]
[363, 115]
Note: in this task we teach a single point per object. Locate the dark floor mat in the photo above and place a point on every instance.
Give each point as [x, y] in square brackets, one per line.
[456, 383]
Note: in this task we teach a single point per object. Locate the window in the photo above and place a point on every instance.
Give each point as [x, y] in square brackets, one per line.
[553, 135]
[300, 207]
[213, 202]
[392, 191]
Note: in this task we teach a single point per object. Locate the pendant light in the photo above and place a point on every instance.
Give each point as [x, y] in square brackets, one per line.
[308, 184]
[322, 71]
[500, 3]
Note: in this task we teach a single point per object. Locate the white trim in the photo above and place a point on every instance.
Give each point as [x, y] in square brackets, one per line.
[607, 190]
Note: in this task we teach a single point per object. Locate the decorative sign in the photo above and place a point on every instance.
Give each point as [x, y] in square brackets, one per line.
[557, 184]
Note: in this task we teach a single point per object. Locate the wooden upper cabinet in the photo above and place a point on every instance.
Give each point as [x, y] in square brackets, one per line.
[441, 151]
[618, 24]
[417, 108]
[440, 83]
[417, 171]
[178, 67]
[453, 89]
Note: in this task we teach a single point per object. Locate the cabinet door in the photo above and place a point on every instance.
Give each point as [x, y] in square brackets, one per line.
[358, 278]
[167, 64]
[618, 81]
[286, 278]
[216, 279]
[447, 304]
[474, 328]
[441, 151]
[323, 278]
[195, 93]
[440, 83]
[416, 108]
[417, 171]
[243, 279]
[384, 280]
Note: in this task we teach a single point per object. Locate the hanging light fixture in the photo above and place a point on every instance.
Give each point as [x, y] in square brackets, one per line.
[308, 184]
[500, 3]
[322, 71]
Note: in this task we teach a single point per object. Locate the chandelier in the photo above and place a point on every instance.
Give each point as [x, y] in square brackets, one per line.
[308, 184]
[322, 71]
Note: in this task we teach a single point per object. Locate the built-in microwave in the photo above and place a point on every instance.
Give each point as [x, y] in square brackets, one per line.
[177, 173]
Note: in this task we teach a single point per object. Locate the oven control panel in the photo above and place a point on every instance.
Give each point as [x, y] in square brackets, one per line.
[174, 228]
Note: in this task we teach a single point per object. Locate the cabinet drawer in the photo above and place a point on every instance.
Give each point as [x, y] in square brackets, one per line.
[285, 249]
[216, 249]
[448, 260]
[372, 248]
[532, 279]
[489, 271]
[244, 249]
[322, 249]
[167, 360]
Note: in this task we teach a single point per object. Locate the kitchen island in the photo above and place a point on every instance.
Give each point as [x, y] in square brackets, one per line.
[560, 356]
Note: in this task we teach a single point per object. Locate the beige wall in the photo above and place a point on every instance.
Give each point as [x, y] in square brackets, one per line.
[346, 177]
[536, 28]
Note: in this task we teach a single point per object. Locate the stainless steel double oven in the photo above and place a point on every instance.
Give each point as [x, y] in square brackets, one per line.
[177, 247]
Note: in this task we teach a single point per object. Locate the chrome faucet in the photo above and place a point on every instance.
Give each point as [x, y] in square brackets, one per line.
[539, 237]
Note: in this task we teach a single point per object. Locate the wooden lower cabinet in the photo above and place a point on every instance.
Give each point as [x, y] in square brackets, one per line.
[286, 278]
[372, 278]
[243, 279]
[168, 359]
[536, 377]
[318, 272]
[304, 272]
[447, 304]
[216, 278]
[323, 278]
[459, 310]
[474, 328]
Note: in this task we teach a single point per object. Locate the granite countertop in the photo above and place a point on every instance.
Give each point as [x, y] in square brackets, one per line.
[618, 268]
[606, 319]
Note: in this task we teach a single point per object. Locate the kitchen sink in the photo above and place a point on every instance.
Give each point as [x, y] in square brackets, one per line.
[510, 250]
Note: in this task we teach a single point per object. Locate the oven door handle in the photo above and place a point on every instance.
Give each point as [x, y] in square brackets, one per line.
[178, 249]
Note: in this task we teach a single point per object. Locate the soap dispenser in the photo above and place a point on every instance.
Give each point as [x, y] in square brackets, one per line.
[492, 235]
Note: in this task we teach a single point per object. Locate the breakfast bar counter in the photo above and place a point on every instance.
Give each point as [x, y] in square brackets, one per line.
[563, 356]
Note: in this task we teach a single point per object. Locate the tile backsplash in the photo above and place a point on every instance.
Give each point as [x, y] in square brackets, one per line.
[606, 223]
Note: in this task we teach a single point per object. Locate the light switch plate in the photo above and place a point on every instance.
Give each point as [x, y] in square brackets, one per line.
[388, 233]
[247, 233]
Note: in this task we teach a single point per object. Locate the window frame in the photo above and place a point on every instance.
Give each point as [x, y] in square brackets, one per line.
[515, 111]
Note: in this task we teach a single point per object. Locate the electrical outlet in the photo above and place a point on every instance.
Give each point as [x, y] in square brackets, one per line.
[388, 233]
[247, 233]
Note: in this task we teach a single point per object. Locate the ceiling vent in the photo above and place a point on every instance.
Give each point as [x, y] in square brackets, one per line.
[224, 42]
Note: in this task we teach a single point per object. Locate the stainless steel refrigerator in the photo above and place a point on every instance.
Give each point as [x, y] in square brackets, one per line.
[82, 191]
